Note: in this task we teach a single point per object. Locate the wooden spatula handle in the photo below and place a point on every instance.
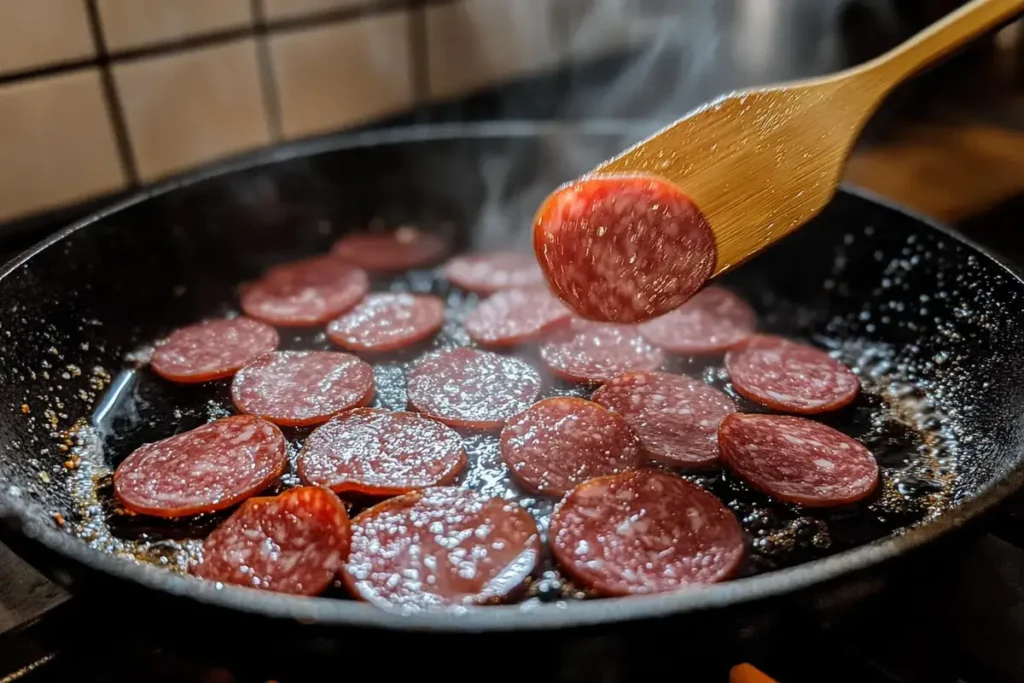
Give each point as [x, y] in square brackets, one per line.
[942, 38]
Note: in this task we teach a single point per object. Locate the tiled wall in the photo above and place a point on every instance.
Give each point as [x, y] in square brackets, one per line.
[100, 95]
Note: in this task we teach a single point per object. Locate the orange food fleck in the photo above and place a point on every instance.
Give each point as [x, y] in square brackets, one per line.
[745, 673]
[59, 518]
[25, 409]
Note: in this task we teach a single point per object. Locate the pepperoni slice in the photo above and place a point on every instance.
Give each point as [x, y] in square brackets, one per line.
[561, 442]
[209, 468]
[378, 453]
[515, 316]
[596, 352]
[676, 417]
[439, 547]
[493, 271]
[301, 388]
[391, 251]
[211, 350]
[785, 375]
[304, 293]
[712, 321]
[386, 322]
[469, 388]
[644, 532]
[623, 249]
[292, 543]
[797, 460]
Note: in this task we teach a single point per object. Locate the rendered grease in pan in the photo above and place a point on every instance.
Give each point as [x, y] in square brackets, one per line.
[891, 417]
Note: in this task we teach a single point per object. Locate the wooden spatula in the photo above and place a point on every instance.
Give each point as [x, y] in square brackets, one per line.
[760, 163]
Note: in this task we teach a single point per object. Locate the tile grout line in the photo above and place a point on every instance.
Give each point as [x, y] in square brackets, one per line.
[419, 54]
[268, 79]
[114, 109]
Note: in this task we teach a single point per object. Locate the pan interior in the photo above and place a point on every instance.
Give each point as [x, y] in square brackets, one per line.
[930, 324]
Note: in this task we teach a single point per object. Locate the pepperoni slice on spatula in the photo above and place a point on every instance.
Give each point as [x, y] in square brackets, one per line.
[209, 468]
[644, 532]
[493, 271]
[441, 547]
[292, 543]
[470, 388]
[561, 442]
[786, 376]
[302, 388]
[797, 460]
[596, 352]
[380, 453]
[391, 251]
[212, 350]
[514, 316]
[676, 417]
[387, 322]
[623, 249]
[304, 293]
[712, 321]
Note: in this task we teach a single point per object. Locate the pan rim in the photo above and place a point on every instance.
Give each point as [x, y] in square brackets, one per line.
[334, 612]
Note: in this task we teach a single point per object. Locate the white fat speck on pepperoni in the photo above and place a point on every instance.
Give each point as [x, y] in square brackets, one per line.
[787, 376]
[470, 388]
[388, 321]
[380, 453]
[441, 547]
[297, 388]
[675, 416]
[515, 316]
[209, 468]
[292, 543]
[643, 532]
[561, 442]
[797, 460]
[597, 352]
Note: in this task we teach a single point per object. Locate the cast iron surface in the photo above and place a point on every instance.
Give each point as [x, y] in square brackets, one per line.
[936, 316]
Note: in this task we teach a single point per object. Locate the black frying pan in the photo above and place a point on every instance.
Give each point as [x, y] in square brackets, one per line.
[932, 323]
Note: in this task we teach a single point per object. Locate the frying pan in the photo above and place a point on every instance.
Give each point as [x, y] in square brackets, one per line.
[933, 324]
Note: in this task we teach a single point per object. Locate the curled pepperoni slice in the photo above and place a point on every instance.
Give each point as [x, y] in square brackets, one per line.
[301, 388]
[623, 249]
[212, 350]
[676, 417]
[391, 251]
[308, 292]
[386, 322]
[515, 316]
[469, 388]
[712, 321]
[644, 532]
[596, 352]
[292, 543]
[378, 453]
[440, 547]
[561, 442]
[784, 375]
[797, 460]
[209, 468]
[493, 271]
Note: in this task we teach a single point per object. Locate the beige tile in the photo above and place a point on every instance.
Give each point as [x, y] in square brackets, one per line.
[58, 146]
[335, 76]
[275, 10]
[598, 28]
[187, 108]
[36, 33]
[475, 43]
[136, 23]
